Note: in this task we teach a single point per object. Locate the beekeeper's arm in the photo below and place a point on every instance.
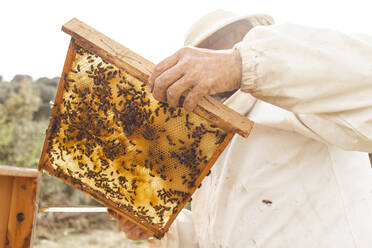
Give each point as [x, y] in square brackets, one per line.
[324, 77]
[180, 235]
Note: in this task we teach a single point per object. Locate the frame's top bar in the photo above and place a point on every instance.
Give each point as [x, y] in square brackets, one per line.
[111, 51]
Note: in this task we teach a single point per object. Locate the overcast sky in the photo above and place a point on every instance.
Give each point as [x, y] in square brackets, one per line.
[31, 41]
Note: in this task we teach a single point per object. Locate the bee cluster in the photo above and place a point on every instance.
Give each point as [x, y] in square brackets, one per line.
[110, 135]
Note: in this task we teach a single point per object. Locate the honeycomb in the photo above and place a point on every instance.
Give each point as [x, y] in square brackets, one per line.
[112, 139]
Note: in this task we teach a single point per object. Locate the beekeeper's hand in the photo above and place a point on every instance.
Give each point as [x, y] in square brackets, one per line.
[132, 231]
[196, 72]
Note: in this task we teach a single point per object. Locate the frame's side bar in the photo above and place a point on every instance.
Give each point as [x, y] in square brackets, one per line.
[134, 64]
[66, 68]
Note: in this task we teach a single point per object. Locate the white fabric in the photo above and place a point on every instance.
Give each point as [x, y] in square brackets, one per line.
[180, 234]
[292, 182]
[212, 22]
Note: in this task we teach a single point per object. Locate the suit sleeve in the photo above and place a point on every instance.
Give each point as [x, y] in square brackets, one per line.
[181, 234]
[322, 76]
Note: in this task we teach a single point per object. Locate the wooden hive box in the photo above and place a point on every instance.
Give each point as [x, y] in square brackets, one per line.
[111, 139]
[18, 205]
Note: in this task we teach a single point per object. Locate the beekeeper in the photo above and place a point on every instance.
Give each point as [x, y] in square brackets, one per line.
[302, 178]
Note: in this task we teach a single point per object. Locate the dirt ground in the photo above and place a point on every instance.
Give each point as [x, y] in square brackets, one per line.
[79, 230]
[91, 239]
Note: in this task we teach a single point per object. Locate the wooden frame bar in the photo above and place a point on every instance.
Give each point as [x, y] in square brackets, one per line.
[108, 49]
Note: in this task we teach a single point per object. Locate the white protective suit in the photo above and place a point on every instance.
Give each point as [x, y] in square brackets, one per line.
[303, 177]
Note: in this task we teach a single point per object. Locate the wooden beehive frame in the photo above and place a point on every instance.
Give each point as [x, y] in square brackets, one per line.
[139, 67]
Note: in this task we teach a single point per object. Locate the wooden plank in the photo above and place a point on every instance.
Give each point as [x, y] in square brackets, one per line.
[125, 59]
[71, 52]
[17, 172]
[212, 107]
[73, 209]
[22, 212]
[6, 184]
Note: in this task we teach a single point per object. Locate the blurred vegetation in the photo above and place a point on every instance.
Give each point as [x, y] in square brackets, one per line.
[21, 135]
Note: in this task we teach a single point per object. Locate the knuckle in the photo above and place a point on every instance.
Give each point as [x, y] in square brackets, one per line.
[186, 49]
[157, 81]
[186, 60]
[204, 89]
[163, 78]
[195, 96]
[157, 69]
[193, 99]
[170, 92]
[158, 85]
[210, 81]
[194, 74]
[182, 51]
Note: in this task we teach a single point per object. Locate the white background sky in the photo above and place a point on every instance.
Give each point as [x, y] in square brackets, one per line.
[31, 41]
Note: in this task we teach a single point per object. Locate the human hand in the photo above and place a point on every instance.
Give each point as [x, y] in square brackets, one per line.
[197, 72]
[131, 230]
